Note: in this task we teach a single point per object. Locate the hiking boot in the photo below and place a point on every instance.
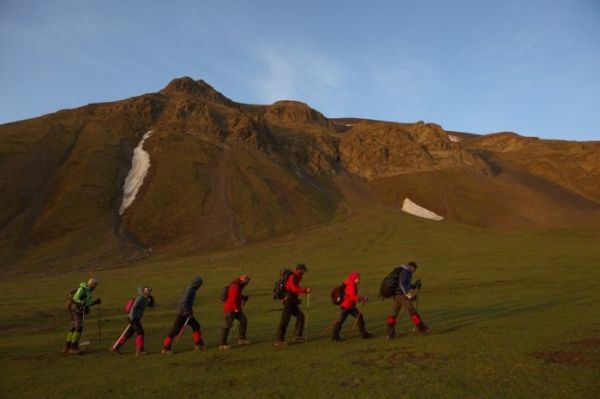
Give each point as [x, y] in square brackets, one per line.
[201, 347]
[244, 341]
[281, 344]
[366, 335]
[224, 347]
[116, 351]
[423, 329]
[166, 352]
[299, 340]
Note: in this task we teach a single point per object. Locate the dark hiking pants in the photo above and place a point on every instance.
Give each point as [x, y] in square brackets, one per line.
[290, 308]
[180, 321]
[229, 318]
[344, 313]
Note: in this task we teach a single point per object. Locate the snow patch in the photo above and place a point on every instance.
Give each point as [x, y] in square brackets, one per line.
[135, 178]
[453, 138]
[411, 208]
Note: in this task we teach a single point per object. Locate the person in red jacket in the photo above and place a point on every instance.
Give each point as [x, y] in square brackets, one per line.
[291, 306]
[348, 308]
[233, 308]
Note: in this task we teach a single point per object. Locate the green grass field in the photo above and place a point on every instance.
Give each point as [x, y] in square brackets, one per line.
[512, 315]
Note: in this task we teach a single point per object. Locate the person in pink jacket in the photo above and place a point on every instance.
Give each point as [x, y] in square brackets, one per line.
[348, 307]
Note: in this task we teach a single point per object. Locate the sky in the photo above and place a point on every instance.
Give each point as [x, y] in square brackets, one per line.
[481, 66]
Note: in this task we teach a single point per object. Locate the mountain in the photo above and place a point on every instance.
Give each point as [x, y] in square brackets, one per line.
[222, 173]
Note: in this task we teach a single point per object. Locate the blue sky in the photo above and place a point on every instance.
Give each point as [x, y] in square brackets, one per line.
[479, 66]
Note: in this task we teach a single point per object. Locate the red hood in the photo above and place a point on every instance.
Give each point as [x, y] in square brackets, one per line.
[352, 278]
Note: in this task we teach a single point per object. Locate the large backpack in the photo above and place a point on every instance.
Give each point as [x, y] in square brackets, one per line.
[388, 285]
[279, 290]
[337, 294]
[224, 293]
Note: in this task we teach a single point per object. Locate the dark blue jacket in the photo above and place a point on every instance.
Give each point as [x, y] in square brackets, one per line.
[186, 304]
[137, 310]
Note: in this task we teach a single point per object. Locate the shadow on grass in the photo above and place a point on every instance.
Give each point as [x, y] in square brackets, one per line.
[458, 318]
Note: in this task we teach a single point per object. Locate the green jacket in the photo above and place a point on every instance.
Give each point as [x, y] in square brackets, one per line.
[83, 296]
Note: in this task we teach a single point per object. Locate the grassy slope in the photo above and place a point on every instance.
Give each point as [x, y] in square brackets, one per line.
[492, 299]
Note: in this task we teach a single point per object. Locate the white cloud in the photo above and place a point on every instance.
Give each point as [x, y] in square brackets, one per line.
[300, 74]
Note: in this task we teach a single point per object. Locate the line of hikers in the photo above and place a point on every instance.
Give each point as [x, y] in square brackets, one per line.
[397, 285]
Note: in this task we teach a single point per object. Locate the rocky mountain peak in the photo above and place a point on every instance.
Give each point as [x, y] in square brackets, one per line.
[197, 88]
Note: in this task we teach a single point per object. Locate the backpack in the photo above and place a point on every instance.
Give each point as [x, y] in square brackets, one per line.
[337, 294]
[129, 305]
[279, 290]
[388, 285]
[69, 299]
[224, 293]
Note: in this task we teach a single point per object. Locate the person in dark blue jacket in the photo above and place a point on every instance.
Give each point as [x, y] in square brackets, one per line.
[136, 313]
[403, 299]
[185, 316]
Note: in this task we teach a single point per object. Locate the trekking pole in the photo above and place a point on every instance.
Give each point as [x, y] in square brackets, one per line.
[307, 314]
[121, 336]
[99, 326]
[182, 328]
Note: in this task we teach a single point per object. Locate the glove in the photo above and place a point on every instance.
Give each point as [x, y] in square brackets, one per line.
[412, 297]
[86, 309]
[245, 298]
[417, 284]
[150, 301]
[98, 301]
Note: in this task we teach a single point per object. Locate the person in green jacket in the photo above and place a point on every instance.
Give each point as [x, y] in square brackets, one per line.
[136, 313]
[78, 304]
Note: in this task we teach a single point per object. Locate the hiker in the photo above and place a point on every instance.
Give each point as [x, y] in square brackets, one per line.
[348, 308]
[136, 313]
[397, 286]
[79, 302]
[233, 308]
[185, 316]
[291, 306]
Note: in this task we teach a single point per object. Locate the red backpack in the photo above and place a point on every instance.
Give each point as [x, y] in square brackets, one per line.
[129, 305]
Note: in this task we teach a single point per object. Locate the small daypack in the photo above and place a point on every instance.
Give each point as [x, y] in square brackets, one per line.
[129, 305]
[337, 294]
[279, 290]
[224, 293]
[388, 285]
[69, 299]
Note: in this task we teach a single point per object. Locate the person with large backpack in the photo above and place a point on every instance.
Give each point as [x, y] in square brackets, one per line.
[348, 299]
[233, 307]
[185, 317]
[291, 304]
[79, 302]
[397, 285]
[135, 315]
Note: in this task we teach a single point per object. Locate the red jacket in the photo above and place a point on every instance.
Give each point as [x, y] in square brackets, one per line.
[351, 296]
[234, 297]
[292, 284]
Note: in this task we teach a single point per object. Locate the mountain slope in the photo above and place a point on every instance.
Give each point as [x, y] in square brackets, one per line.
[224, 173]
